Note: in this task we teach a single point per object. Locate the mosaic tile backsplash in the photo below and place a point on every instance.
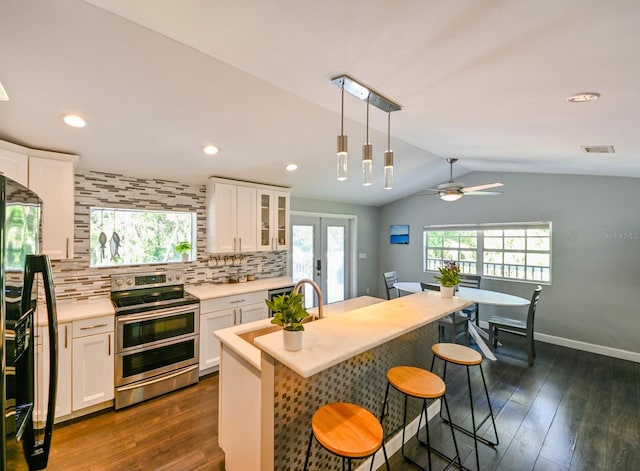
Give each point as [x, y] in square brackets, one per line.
[361, 380]
[76, 279]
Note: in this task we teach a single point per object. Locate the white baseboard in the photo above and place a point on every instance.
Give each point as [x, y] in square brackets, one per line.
[589, 347]
[395, 443]
[584, 346]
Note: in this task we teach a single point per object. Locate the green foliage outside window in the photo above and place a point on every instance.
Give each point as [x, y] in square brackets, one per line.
[132, 237]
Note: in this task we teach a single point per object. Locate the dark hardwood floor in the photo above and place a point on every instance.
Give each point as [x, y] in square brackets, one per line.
[571, 411]
[178, 431]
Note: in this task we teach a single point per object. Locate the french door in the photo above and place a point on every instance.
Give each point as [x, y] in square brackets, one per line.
[321, 252]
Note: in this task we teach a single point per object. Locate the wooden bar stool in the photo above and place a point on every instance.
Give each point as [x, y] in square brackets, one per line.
[421, 384]
[348, 431]
[465, 356]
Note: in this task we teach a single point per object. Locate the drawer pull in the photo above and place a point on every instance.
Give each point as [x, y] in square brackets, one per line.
[236, 302]
[93, 326]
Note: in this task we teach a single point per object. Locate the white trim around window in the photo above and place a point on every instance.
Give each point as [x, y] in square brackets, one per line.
[508, 251]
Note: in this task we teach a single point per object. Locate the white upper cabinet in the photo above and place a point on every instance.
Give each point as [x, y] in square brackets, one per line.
[50, 175]
[273, 220]
[231, 222]
[14, 166]
[52, 180]
[238, 221]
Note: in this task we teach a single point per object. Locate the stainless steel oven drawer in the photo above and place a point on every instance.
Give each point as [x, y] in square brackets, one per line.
[143, 390]
[149, 362]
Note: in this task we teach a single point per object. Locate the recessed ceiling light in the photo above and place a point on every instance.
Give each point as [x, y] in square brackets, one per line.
[292, 167]
[581, 97]
[211, 149]
[3, 94]
[74, 120]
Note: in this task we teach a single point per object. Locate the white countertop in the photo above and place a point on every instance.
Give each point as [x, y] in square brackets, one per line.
[368, 322]
[335, 339]
[70, 310]
[252, 355]
[220, 290]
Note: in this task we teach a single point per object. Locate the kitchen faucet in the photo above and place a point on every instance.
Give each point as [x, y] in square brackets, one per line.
[316, 288]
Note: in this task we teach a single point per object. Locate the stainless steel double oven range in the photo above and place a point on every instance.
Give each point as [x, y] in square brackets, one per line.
[157, 335]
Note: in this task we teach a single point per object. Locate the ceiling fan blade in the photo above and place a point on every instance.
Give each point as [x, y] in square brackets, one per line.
[486, 186]
[482, 193]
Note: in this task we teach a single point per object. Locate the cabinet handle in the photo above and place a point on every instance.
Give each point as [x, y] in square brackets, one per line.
[67, 247]
[109, 345]
[236, 302]
[93, 326]
[234, 244]
[66, 335]
[240, 315]
[240, 245]
[234, 317]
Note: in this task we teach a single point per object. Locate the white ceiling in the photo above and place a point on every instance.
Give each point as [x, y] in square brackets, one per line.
[485, 81]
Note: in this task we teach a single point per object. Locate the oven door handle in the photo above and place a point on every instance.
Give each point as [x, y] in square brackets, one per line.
[125, 319]
[156, 380]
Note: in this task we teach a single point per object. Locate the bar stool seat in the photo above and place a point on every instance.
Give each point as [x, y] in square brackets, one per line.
[467, 357]
[420, 384]
[346, 430]
[458, 354]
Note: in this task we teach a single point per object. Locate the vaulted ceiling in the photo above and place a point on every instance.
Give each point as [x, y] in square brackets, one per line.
[485, 81]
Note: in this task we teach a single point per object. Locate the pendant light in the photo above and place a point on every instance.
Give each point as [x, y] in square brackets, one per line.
[342, 145]
[367, 156]
[388, 157]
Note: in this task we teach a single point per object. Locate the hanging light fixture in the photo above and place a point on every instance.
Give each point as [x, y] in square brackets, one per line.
[381, 102]
[388, 157]
[367, 156]
[342, 145]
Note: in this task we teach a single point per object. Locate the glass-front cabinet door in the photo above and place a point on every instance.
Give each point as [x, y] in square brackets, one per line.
[273, 220]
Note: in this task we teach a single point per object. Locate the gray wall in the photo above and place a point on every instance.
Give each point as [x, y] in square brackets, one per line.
[595, 292]
[367, 238]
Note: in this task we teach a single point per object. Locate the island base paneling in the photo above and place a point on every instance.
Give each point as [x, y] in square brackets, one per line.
[361, 380]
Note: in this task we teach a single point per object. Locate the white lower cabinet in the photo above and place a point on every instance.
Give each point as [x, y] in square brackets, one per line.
[209, 345]
[63, 396]
[63, 390]
[93, 361]
[220, 313]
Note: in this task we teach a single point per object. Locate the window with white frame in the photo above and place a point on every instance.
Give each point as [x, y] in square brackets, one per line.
[131, 237]
[519, 251]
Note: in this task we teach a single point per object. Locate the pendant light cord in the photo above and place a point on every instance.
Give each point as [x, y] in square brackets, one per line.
[342, 113]
[368, 119]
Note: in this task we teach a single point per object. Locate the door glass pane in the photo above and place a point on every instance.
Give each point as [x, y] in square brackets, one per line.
[302, 258]
[335, 263]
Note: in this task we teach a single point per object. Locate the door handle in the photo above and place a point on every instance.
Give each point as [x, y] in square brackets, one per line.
[318, 265]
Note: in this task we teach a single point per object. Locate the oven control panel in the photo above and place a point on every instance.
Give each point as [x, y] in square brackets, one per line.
[146, 280]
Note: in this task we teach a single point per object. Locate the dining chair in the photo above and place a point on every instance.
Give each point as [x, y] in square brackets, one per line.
[471, 281]
[390, 279]
[521, 327]
[450, 322]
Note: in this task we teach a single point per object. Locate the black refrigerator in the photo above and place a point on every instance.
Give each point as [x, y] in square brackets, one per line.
[27, 384]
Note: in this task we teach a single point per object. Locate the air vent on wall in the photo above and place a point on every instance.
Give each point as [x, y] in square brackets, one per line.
[598, 149]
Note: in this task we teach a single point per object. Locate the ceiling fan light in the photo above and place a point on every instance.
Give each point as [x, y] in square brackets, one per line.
[451, 195]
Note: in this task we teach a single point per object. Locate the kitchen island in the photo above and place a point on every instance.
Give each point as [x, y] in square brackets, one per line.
[266, 406]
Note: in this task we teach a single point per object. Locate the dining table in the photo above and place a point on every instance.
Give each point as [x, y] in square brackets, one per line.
[478, 296]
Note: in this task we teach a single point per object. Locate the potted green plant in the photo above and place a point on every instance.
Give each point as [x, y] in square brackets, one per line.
[288, 312]
[449, 278]
[184, 248]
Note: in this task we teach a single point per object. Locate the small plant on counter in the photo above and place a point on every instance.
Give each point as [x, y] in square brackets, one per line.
[449, 274]
[288, 311]
[183, 247]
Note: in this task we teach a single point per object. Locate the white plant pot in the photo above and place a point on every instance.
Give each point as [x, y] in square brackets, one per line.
[292, 339]
[185, 257]
[447, 291]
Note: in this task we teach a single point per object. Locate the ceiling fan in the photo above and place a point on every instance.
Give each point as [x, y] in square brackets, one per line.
[453, 191]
